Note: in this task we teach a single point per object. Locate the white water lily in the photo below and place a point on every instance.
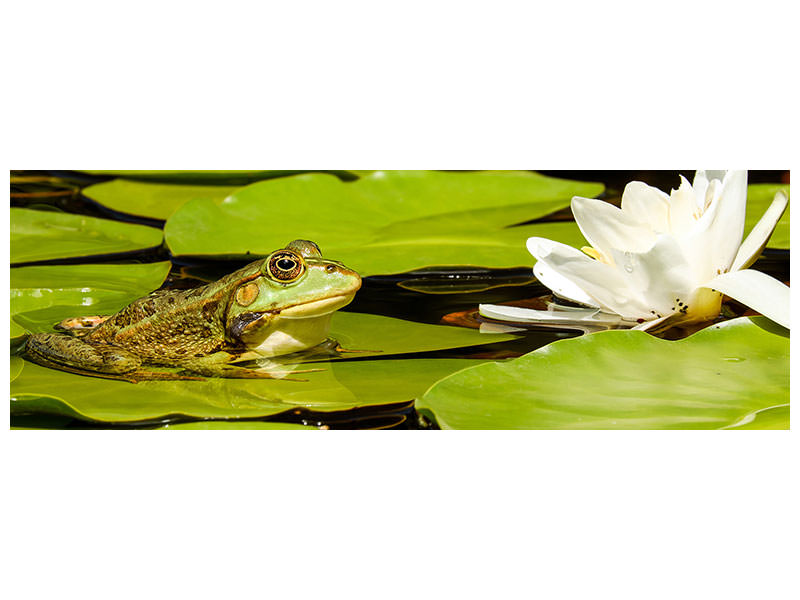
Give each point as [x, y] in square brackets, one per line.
[660, 260]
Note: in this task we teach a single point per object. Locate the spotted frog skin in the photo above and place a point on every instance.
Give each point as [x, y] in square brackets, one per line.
[274, 306]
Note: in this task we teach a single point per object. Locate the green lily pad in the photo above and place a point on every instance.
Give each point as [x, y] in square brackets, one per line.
[16, 367]
[376, 335]
[759, 197]
[45, 235]
[341, 385]
[231, 177]
[16, 330]
[386, 222]
[43, 296]
[774, 417]
[153, 200]
[725, 376]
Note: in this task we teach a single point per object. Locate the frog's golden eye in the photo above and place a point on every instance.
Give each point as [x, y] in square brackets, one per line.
[285, 265]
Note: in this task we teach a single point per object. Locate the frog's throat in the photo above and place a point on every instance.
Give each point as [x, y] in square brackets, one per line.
[285, 336]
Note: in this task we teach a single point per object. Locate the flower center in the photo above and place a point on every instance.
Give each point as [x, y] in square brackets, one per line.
[596, 254]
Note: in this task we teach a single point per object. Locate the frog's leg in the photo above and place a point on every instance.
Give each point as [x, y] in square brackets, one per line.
[220, 364]
[73, 355]
[74, 352]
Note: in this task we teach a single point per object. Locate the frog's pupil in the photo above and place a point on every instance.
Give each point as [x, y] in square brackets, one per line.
[285, 264]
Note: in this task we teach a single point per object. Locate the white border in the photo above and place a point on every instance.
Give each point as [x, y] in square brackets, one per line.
[405, 85]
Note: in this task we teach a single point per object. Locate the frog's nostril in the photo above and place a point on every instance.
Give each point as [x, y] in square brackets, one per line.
[330, 268]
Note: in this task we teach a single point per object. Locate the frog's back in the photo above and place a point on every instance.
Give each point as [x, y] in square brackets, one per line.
[168, 324]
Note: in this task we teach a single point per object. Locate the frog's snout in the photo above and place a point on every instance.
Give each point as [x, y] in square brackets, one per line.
[351, 278]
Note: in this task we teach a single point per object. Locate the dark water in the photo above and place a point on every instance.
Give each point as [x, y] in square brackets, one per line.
[435, 295]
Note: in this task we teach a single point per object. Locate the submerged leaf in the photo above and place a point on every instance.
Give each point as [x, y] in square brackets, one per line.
[714, 379]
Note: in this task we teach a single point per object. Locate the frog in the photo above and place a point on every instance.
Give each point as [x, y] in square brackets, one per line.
[275, 306]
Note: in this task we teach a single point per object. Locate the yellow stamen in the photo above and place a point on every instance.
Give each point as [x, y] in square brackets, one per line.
[595, 254]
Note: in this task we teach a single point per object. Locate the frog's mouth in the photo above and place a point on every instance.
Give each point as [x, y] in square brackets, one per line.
[248, 324]
[315, 308]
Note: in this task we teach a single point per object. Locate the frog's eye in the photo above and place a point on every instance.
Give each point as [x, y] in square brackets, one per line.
[285, 266]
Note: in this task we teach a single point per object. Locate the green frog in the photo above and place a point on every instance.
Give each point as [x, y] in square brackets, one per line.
[272, 307]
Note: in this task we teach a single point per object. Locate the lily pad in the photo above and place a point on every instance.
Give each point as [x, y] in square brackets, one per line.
[16, 367]
[153, 200]
[43, 296]
[341, 385]
[45, 235]
[16, 330]
[386, 222]
[376, 335]
[724, 376]
[759, 197]
[231, 177]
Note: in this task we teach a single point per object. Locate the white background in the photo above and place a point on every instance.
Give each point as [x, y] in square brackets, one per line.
[444, 85]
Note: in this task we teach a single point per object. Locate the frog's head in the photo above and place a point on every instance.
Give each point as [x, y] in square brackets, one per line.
[295, 289]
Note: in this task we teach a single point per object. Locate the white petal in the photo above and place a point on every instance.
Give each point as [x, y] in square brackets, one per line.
[700, 187]
[758, 291]
[646, 205]
[661, 276]
[728, 227]
[561, 285]
[540, 248]
[556, 317]
[698, 245]
[601, 282]
[606, 227]
[710, 175]
[710, 243]
[681, 208]
[655, 323]
[504, 313]
[491, 328]
[713, 191]
[759, 236]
